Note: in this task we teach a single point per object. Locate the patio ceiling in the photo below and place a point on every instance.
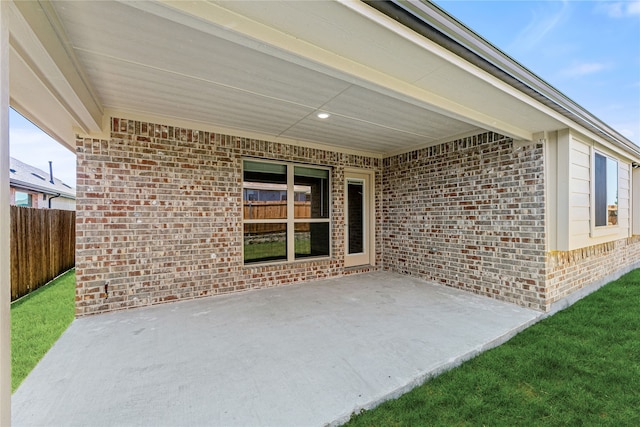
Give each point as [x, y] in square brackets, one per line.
[262, 69]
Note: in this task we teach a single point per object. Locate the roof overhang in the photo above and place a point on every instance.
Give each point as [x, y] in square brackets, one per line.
[437, 25]
[265, 69]
[15, 183]
[47, 85]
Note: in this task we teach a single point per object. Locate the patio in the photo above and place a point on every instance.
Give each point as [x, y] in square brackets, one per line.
[307, 354]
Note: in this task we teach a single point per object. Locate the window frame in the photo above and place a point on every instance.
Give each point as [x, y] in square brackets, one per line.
[290, 220]
[29, 199]
[607, 229]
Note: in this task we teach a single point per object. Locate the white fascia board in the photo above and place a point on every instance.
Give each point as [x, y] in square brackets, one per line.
[33, 100]
[475, 43]
[216, 20]
[39, 39]
[474, 71]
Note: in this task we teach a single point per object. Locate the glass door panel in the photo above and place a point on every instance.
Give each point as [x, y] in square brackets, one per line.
[355, 203]
[358, 209]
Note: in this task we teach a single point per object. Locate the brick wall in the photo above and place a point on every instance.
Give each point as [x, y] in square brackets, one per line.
[159, 216]
[570, 271]
[469, 214]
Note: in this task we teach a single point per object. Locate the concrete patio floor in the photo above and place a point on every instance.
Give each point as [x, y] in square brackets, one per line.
[301, 355]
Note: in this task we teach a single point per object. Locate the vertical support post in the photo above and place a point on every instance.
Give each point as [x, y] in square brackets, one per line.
[5, 266]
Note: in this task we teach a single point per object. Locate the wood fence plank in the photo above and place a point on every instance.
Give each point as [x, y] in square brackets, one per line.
[42, 247]
[273, 210]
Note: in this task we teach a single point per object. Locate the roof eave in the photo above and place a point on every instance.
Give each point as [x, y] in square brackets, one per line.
[432, 22]
[31, 187]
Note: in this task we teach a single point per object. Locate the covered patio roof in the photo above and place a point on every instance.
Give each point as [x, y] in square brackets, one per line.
[393, 77]
[265, 69]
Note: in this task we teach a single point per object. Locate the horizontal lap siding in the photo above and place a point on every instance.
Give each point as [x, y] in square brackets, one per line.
[580, 209]
[593, 254]
[580, 193]
[624, 198]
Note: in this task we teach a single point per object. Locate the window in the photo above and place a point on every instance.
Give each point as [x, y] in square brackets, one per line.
[606, 191]
[286, 212]
[23, 199]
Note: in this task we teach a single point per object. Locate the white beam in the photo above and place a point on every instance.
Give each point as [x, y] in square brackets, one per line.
[5, 267]
[39, 40]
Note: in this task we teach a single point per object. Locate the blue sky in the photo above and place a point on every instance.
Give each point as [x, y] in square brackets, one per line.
[32, 146]
[589, 50]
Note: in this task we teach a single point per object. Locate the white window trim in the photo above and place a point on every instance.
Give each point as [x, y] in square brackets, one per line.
[602, 230]
[290, 220]
[635, 200]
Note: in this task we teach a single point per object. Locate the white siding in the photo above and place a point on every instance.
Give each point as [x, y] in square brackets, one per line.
[63, 203]
[624, 197]
[580, 172]
[581, 231]
[579, 193]
[635, 200]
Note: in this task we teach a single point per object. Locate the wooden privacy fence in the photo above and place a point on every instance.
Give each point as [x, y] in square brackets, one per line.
[274, 210]
[43, 245]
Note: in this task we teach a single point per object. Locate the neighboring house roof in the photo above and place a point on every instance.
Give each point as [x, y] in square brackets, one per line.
[28, 177]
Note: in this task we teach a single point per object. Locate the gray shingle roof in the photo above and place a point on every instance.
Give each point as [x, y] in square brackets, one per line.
[25, 176]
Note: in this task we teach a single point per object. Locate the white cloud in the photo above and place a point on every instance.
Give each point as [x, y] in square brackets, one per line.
[584, 69]
[614, 10]
[628, 131]
[621, 119]
[620, 9]
[541, 24]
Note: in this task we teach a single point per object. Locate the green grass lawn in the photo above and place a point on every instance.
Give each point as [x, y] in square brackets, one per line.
[37, 321]
[266, 251]
[580, 367]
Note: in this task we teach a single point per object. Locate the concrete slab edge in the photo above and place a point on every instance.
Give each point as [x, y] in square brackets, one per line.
[449, 365]
[454, 363]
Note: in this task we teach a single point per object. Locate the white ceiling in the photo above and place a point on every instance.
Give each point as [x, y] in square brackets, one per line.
[268, 68]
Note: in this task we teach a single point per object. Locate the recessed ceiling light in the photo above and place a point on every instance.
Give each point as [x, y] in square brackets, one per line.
[323, 115]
